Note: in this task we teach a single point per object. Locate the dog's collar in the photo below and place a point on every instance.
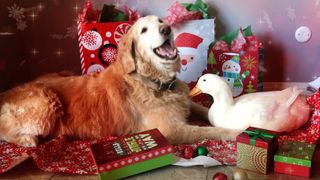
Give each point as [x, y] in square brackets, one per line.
[170, 85]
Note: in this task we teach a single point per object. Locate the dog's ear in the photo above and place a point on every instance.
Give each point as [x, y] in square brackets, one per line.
[126, 52]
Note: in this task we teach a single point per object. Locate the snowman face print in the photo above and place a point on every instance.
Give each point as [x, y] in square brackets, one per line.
[230, 66]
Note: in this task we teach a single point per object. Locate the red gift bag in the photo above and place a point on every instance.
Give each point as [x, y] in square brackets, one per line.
[98, 41]
[237, 61]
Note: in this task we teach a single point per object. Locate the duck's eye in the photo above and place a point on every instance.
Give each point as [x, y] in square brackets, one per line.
[204, 80]
[144, 30]
[160, 21]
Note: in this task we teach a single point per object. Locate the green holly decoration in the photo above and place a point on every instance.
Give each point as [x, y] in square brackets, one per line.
[250, 88]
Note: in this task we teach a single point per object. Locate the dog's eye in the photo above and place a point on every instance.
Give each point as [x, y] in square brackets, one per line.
[204, 80]
[160, 21]
[144, 30]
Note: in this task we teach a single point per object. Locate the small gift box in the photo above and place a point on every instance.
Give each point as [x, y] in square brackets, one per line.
[255, 148]
[294, 158]
[132, 154]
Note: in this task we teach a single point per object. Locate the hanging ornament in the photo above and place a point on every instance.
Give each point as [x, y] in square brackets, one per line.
[202, 151]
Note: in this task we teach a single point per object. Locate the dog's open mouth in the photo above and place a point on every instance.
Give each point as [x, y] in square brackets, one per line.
[166, 51]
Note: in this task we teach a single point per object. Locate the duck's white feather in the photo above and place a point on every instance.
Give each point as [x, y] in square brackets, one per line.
[280, 111]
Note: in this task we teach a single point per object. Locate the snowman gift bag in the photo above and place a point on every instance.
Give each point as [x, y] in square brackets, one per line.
[237, 57]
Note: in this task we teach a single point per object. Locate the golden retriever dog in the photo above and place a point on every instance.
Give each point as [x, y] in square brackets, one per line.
[136, 93]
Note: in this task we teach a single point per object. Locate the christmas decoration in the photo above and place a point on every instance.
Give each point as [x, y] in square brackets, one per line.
[238, 54]
[188, 152]
[198, 6]
[255, 149]
[98, 41]
[222, 151]
[178, 14]
[91, 40]
[187, 45]
[220, 176]
[110, 14]
[132, 154]
[250, 88]
[239, 174]
[202, 151]
[109, 156]
[294, 158]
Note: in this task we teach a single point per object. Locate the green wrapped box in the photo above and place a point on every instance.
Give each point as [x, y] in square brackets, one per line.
[294, 158]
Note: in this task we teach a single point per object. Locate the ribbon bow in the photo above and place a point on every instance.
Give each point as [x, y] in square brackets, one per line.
[255, 134]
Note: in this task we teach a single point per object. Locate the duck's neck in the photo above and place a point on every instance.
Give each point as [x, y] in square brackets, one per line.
[224, 98]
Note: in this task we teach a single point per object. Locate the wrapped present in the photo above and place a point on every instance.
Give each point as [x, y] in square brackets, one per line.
[238, 58]
[310, 132]
[255, 148]
[132, 154]
[294, 158]
[98, 39]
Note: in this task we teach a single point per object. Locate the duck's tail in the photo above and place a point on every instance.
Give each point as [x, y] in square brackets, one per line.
[295, 92]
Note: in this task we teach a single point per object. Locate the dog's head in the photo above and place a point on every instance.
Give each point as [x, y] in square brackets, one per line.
[148, 48]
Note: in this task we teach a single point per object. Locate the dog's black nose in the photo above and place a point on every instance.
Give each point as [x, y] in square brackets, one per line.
[165, 30]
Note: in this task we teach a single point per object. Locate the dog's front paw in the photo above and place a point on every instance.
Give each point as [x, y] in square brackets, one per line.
[26, 141]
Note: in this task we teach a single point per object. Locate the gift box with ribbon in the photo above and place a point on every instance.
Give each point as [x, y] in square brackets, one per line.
[294, 158]
[255, 148]
[238, 57]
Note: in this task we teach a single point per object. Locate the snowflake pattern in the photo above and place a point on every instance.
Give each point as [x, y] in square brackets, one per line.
[16, 12]
[267, 20]
[291, 13]
[89, 38]
[109, 55]
[249, 62]
[71, 32]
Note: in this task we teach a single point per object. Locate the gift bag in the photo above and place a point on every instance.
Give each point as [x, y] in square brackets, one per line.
[237, 58]
[192, 39]
[98, 41]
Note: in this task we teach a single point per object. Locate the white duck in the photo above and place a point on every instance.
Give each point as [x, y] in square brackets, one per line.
[279, 111]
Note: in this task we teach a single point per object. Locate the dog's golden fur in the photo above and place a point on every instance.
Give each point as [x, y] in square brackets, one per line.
[122, 99]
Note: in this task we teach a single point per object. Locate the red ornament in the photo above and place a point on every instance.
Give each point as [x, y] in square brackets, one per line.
[188, 152]
[220, 176]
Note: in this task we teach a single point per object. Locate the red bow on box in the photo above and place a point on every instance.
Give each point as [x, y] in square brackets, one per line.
[249, 43]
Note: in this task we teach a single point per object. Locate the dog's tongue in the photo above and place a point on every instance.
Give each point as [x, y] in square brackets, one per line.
[167, 50]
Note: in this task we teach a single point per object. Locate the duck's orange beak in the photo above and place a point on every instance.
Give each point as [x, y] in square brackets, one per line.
[195, 91]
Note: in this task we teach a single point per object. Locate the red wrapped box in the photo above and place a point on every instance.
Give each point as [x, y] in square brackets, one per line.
[98, 41]
[255, 148]
[236, 58]
[294, 158]
[132, 154]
